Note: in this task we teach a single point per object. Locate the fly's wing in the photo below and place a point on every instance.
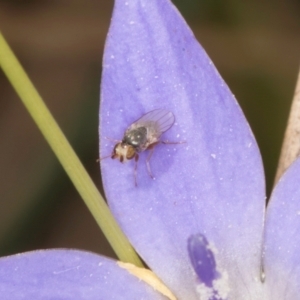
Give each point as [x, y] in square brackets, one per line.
[157, 121]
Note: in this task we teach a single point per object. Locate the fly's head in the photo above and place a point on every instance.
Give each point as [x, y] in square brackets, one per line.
[123, 152]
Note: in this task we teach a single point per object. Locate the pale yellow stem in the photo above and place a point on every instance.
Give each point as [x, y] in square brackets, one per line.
[291, 144]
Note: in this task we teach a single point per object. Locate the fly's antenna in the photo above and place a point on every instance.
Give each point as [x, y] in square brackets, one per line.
[112, 140]
[101, 158]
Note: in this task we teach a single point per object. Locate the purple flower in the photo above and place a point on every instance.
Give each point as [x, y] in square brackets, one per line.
[199, 224]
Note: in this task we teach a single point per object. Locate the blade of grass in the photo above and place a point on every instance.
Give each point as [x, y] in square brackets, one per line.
[65, 154]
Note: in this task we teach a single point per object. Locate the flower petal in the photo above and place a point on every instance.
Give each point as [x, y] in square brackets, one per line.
[68, 274]
[212, 184]
[282, 238]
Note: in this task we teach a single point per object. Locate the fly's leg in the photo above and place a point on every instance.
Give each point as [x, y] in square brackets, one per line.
[136, 159]
[172, 143]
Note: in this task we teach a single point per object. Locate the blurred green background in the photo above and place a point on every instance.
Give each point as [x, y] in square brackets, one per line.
[254, 44]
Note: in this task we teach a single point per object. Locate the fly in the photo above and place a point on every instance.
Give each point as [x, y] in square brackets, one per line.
[144, 134]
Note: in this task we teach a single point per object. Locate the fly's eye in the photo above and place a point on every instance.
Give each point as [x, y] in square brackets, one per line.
[130, 152]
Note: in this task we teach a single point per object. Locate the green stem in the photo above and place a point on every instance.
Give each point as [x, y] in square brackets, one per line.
[65, 154]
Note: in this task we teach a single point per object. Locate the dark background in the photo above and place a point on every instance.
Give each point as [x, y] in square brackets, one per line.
[254, 44]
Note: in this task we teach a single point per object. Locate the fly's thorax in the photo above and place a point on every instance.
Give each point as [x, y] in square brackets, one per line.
[123, 152]
[136, 137]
